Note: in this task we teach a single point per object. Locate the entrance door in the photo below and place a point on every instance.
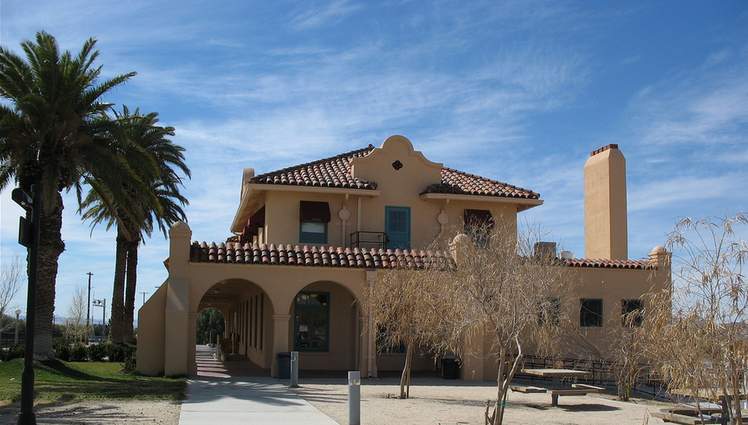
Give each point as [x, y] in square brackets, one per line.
[397, 227]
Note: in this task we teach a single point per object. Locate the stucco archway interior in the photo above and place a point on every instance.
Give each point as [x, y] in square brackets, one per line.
[326, 329]
[245, 348]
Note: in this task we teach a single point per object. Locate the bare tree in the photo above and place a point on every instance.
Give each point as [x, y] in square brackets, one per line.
[9, 286]
[75, 324]
[508, 294]
[403, 303]
[699, 325]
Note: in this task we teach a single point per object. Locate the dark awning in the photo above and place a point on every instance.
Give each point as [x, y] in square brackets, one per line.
[478, 218]
[314, 211]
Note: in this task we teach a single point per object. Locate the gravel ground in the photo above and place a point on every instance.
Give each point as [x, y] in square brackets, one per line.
[432, 402]
[105, 412]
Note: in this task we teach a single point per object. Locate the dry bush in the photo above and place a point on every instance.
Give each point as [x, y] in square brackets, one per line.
[504, 292]
[9, 286]
[406, 307]
[698, 326]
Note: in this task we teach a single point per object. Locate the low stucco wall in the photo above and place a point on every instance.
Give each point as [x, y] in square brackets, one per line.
[149, 354]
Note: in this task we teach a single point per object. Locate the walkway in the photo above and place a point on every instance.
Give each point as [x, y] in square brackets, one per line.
[213, 398]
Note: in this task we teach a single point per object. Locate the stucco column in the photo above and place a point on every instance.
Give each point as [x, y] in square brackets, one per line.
[474, 359]
[281, 323]
[368, 337]
[176, 318]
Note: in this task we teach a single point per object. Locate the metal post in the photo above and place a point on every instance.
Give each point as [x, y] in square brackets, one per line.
[294, 382]
[354, 397]
[18, 315]
[88, 307]
[27, 417]
[144, 293]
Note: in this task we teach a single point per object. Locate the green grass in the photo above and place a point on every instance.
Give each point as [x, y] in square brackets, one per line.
[69, 381]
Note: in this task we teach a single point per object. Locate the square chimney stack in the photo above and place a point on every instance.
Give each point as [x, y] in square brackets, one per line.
[605, 213]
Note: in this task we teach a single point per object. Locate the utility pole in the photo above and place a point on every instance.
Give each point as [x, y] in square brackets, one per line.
[28, 236]
[18, 315]
[102, 303]
[88, 307]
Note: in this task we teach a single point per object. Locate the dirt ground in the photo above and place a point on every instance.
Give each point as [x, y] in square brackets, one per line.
[432, 402]
[105, 412]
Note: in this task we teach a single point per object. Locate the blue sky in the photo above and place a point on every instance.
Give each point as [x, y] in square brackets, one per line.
[520, 91]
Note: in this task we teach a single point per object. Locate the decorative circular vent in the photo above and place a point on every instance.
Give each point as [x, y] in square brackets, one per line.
[397, 165]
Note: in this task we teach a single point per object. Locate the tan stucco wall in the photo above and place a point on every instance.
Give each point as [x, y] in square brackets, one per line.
[149, 354]
[610, 285]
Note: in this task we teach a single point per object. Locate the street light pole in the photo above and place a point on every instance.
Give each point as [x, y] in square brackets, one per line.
[88, 307]
[29, 237]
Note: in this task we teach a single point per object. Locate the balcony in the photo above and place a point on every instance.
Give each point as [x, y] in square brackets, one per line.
[377, 240]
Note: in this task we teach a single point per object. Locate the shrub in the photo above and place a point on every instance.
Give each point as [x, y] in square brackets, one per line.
[79, 353]
[120, 352]
[97, 352]
[62, 352]
[11, 353]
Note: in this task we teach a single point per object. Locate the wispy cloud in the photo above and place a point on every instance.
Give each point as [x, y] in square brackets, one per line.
[704, 106]
[329, 12]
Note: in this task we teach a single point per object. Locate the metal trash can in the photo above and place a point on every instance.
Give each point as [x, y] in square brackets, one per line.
[450, 369]
[284, 365]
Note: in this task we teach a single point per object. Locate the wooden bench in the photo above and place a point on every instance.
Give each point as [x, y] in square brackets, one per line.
[576, 389]
[528, 389]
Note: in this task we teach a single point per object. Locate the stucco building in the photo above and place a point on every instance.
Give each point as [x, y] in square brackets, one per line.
[309, 240]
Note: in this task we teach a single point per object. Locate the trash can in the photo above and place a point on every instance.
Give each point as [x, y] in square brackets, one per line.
[284, 365]
[450, 369]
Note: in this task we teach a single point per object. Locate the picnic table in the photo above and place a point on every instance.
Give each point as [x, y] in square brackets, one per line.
[557, 388]
[711, 394]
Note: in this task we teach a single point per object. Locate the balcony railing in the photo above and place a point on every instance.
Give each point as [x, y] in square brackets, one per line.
[369, 240]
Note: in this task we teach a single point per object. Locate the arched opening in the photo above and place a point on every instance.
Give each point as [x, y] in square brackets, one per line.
[325, 329]
[243, 347]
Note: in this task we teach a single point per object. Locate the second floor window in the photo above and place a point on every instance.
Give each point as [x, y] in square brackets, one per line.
[313, 217]
[591, 312]
[632, 312]
[479, 225]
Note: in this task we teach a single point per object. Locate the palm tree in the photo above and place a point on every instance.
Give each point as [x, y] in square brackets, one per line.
[138, 213]
[51, 136]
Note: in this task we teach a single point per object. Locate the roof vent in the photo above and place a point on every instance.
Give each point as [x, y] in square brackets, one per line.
[397, 165]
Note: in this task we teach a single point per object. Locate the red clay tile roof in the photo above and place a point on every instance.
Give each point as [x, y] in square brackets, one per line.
[459, 182]
[329, 256]
[609, 264]
[336, 172]
[328, 172]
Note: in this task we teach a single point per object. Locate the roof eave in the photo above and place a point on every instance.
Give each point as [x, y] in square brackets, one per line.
[313, 189]
[521, 203]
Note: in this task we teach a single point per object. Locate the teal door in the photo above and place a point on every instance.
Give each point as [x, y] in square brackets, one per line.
[397, 227]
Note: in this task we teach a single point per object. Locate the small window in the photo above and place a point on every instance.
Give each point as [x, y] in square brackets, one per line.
[550, 311]
[313, 232]
[591, 313]
[313, 217]
[632, 312]
[478, 225]
[312, 321]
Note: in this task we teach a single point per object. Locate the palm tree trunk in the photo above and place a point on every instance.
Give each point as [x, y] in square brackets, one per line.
[50, 248]
[118, 307]
[132, 278]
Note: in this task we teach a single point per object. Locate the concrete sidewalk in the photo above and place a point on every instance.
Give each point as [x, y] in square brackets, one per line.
[215, 398]
[257, 401]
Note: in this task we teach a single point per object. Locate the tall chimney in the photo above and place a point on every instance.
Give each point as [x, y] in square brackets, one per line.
[605, 228]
